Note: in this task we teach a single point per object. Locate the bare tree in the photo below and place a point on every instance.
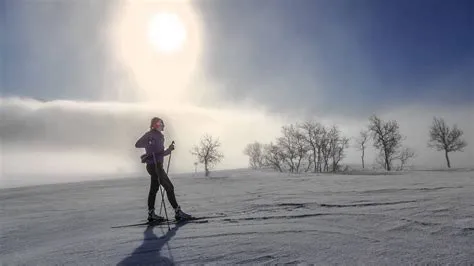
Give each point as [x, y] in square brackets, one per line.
[361, 144]
[333, 141]
[312, 133]
[255, 153]
[293, 146]
[334, 150]
[442, 137]
[387, 138]
[287, 147]
[207, 152]
[405, 155]
[320, 143]
[325, 149]
[302, 148]
[273, 156]
[330, 147]
[310, 162]
[380, 160]
[338, 152]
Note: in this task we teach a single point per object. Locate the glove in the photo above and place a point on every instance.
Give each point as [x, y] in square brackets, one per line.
[171, 147]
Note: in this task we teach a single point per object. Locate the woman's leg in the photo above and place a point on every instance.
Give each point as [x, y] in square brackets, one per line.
[154, 186]
[168, 186]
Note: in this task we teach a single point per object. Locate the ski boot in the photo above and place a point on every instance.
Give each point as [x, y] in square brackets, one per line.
[181, 216]
[152, 217]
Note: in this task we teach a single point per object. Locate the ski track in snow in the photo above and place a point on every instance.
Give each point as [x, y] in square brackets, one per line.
[255, 217]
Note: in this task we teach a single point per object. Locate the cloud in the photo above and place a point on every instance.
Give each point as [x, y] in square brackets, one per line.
[320, 58]
[65, 135]
[61, 50]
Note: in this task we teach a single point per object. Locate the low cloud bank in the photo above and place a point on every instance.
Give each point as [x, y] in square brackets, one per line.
[61, 139]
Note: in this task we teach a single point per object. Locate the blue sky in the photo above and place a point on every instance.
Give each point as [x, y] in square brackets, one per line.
[54, 49]
[366, 55]
[362, 53]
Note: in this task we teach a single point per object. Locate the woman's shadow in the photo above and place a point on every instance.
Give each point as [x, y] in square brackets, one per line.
[149, 252]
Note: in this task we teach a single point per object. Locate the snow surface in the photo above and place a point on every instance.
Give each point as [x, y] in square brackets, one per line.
[371, 219]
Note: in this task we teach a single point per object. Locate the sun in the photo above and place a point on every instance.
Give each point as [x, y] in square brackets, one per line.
[167, 32]
[159, 44]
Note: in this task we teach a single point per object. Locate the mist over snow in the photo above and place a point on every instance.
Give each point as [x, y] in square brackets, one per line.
[71, 137]
[60, 141]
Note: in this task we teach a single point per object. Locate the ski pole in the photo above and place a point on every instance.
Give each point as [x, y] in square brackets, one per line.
[169, 160]
[167, 169]
[161, 191]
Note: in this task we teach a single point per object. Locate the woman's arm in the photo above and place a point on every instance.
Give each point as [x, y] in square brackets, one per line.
[143, 141]
[169, 150]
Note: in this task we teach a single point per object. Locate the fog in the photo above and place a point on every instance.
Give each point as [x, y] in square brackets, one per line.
[70, 138]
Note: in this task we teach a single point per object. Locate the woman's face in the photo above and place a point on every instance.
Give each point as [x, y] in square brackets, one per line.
[159, 125]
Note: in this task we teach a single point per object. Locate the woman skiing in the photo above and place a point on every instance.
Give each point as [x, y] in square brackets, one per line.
[153, 142]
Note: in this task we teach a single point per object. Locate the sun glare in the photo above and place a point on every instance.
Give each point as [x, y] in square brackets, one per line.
[166, 32]
[159, 45]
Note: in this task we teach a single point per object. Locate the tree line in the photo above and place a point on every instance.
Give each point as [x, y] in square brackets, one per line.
[311, 146]
[302, 147]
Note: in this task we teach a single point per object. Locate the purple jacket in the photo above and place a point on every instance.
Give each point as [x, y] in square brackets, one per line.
[154, 143]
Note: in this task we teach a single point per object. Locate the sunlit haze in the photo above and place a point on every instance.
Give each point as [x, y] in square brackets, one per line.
[166, 32]
[159, 43]
[82, 79]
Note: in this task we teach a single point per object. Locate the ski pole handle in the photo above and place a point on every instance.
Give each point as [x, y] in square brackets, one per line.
[169, 160]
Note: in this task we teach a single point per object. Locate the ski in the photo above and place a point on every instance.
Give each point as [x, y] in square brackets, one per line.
[189, 220]
[199, 220]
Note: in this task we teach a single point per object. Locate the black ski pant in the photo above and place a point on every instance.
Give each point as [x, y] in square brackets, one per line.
[159, 177]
